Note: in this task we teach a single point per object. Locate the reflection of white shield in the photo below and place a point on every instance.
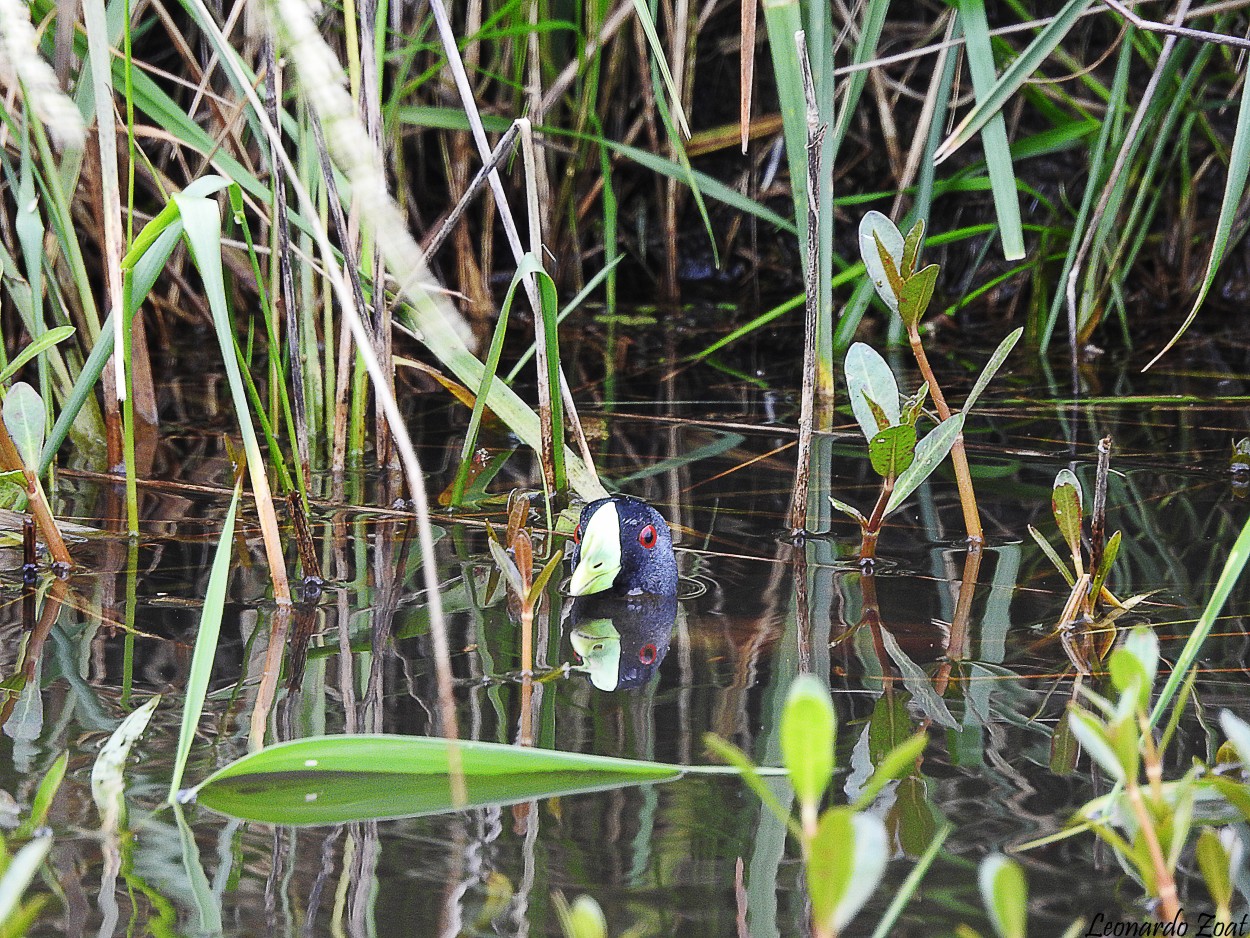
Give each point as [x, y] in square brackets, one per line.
[598, 644]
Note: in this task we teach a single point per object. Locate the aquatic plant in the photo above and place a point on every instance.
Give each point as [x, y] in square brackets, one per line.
[844, 847]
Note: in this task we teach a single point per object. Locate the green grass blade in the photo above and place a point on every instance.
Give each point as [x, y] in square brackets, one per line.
[41, 344]
[994, 133]
[1236, 563]
[205, 642]
[1234, 188]
[657, 52]
[1012, 78]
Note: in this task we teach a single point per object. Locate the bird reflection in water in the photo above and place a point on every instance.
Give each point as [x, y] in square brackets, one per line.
[619, 642]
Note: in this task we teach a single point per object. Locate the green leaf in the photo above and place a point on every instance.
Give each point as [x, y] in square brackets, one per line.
[911, 249]
[336, 779]
[731, 755]
[929, 455]
[881, 245]
[868, 377]
[1012, 78]
[1128, 676]
[583, 919]
[846, 859]
[991, 368]
[1234, 189]
[980, 55]
[1216, 866]
[540, 582]
[849, 510]
[1005, 894]
[1053, 555]
[1238, 732]
[26, 420]
[913, 407]
[892, 450]
[1093, 737]
[42, 801]
[507, 566]
[41, 344]
[19, 872]
[1065, 501]
[808, 734]
[1143, 644]
[878, 414]
[916, 294]
[205, 642]
[1109, 553]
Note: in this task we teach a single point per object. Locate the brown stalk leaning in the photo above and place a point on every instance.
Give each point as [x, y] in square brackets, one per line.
[10, 461]
[963, 476]
[815, 140]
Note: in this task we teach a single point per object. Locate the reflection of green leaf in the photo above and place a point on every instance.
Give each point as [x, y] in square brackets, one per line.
[893, 450]
[26, 421]
[334, 779]
[868, 377]
[916, 681]
[844, 865]
[1064, 749]
[1092, 736]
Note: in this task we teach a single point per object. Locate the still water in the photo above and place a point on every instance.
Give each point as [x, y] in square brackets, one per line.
[710, 444]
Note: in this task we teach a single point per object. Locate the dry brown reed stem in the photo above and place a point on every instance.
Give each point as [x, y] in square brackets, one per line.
[959, 458]
[321, 80]
[591, 487]
[100, 60]
[267, 689]
[807, 406]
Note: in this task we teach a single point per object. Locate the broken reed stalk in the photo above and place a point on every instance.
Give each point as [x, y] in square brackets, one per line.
[1098, 516]
[959, 459]
[10, 461]
[815, 140]
[591, 487]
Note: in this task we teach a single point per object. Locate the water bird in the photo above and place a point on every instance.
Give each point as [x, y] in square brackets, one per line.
[623, 544]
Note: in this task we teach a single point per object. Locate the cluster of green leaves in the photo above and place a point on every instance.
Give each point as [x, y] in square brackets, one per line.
[1067, 505]
[888, 422]
[845, 848]
[1149, 824]
[891, 261]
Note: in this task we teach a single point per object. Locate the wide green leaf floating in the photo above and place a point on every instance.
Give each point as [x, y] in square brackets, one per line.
[334, 779]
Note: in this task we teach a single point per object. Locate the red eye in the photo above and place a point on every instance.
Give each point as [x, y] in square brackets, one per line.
[647, 537]
[577, 534]
[646, 654]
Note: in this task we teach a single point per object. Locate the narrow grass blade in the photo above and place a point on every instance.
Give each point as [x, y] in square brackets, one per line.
[41, 344]
[1234, 188]
[1236, 563]
[657, 51]
[991, 368]
[905, 892]
[205, 642]
[994, 133]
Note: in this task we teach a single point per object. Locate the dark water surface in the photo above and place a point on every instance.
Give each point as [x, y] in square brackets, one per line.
[712, 448]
